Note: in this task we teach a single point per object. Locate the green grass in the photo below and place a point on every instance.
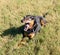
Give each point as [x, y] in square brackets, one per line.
[47, 42]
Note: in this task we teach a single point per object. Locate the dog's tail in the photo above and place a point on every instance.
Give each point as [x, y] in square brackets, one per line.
[44, 15]
[43, 21]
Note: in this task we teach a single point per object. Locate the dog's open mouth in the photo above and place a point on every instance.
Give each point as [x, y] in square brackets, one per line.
[26, 27]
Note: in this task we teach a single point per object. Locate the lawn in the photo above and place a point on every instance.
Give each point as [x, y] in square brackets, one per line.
[47, 42]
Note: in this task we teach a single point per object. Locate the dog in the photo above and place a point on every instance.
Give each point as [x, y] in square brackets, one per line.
[33, 23]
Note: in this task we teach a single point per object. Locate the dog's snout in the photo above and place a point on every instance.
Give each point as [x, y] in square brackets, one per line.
[26, 27]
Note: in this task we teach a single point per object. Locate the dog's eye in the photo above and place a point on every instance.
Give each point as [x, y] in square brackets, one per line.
[32, 18]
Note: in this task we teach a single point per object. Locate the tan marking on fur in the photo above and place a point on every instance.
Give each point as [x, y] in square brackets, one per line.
[31, 24]
[31, 35]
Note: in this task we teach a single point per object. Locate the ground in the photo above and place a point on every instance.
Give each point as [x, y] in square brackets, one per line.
[47, 42]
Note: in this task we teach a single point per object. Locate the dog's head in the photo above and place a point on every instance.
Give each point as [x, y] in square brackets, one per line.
[29, 22]
[27, 19]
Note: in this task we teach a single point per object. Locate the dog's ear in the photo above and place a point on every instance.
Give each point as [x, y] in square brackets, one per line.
[23, 19]
[32, 18]
[43, 22]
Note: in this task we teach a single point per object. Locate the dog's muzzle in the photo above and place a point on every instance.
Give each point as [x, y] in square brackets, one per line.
[26, 27]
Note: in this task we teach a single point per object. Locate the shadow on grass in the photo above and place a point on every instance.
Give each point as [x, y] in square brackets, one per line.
[13, 31]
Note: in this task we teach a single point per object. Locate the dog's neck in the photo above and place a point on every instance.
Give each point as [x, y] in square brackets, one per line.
[31, 24]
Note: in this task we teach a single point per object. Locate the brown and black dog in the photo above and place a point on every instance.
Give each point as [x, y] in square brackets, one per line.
[32, 25]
